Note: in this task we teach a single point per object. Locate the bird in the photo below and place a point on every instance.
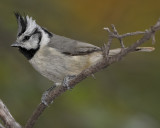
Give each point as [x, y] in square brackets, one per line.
[56, 57]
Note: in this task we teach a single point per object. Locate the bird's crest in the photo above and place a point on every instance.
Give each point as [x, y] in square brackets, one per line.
[25, 23]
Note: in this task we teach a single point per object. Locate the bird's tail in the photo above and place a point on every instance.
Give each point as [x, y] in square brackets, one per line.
[138, 49]
[97, 56]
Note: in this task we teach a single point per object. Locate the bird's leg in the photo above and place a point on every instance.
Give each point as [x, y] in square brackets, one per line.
[66, 81]
[64, 84]
[45, 94]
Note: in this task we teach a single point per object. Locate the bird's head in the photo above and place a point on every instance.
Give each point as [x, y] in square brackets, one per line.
[30, 35]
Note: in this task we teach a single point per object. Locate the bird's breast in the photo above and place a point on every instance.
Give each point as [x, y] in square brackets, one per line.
[55, 66]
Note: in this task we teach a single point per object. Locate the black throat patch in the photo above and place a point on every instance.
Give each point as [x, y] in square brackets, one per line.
[28, 53]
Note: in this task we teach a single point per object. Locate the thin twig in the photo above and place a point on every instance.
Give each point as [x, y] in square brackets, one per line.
[132, 34]
[7, 118]
[93, 69]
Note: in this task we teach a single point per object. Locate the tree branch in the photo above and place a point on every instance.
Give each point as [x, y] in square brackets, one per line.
[7, 118]
[148, 34]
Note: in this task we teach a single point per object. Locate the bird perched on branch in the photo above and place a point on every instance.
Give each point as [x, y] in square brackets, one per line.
[56, 57]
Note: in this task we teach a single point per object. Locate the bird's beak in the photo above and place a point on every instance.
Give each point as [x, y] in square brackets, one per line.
[16, 44]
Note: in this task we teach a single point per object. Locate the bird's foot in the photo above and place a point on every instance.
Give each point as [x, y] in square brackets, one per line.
[66, 81]
[45, 95]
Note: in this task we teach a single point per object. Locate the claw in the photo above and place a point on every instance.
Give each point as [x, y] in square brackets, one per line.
[45, 95]
[43, 98]
[66, 81]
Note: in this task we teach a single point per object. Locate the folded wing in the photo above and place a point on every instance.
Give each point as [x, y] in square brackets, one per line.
[71, 47]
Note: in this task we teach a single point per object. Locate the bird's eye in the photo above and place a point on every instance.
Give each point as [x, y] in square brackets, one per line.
[26, 38]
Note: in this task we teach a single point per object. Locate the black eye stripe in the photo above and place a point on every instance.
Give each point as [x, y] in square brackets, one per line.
[26, 38]
[33, 33]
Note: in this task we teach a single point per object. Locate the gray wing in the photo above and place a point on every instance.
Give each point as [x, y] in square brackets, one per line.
[71, 47]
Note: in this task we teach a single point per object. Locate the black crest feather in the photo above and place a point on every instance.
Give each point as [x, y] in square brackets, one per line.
[22, 23]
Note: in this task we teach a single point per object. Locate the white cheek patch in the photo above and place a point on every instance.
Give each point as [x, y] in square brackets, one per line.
[34, 44]
[30, 45]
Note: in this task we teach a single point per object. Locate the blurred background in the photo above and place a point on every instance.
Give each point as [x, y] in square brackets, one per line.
[125, 95]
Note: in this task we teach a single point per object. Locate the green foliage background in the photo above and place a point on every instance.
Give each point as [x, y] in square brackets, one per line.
[126, 95]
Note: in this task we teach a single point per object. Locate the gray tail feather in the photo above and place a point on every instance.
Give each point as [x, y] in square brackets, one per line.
[138, 49]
